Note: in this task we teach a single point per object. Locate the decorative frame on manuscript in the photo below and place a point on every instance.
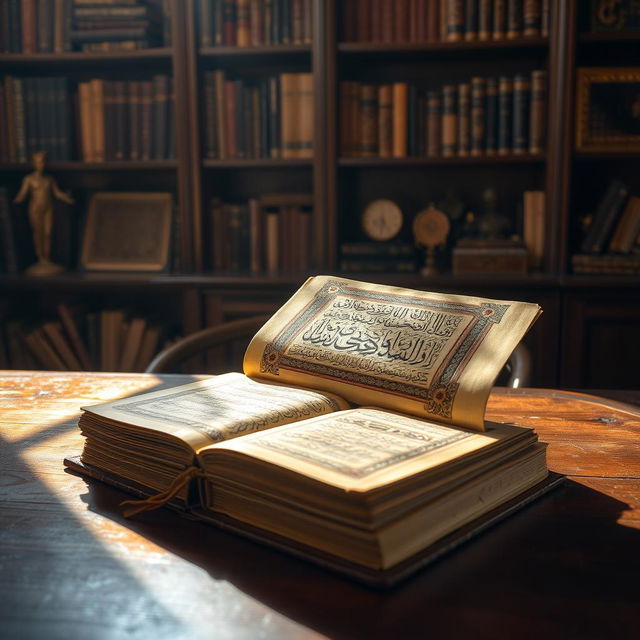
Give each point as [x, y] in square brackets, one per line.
[438, 396]
[127, 232]
[608, 109]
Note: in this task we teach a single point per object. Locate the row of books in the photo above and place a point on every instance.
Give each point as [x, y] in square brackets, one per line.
[402, 21]
[115, 120]
[615, 224]
[107, 340]
[266, 235]
[272, 118]
[378, 257]
[486, 116]
[58, 26]
[126, 120]
[251, 23]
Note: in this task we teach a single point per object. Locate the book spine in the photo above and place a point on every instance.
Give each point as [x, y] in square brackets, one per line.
[119, 132]
[305, 115]
[628, 228]
[256, 28]
[285, 24]
[221, 114]
[412, 135]
[209, 115]
[449, 121]
[240, 118]
[243, 23]
[218, 22]
[288, 88]
[97, 92]
[532, 14]
[346, 121]
[514, 19]
[545, 18]
[255, 236]
[604, 217]
[521, 103]
[44, 18]
[160, 115]
[109, 120]
[471, 20]
[505, 115]
[388, 12]
[491, 117]
[58, 26]
[538, 111]
[297, 21]
[29, 26]
[229, 23]
[484, 19]
[264, 119]
[205, 31]
[31, 116]
[308, 22]
[275, 133]
[135, 120]
[9, 97]
[400, 125]
[455, 20]
[499, 19]
[375, 8]
[146, 118]
[369, 122]
[433, 20]
[478, 116]
[434, 124]
[464, 119]
[401, 21]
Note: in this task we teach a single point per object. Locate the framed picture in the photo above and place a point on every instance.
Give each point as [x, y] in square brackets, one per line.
[127, 232]
[608, 109]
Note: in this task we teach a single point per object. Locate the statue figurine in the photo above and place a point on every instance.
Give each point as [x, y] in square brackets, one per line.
[41, 189]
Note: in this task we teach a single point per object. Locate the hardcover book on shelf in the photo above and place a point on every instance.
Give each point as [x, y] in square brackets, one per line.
[280, 455]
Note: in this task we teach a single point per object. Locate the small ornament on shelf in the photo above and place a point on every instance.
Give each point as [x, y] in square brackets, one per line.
[41, 189]
[430, 229]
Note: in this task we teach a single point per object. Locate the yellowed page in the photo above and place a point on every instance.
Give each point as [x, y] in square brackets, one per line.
[427, 354]
[361, 449]
[215, 409]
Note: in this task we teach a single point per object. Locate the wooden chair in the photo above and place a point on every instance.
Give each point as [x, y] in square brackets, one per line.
[231, 338]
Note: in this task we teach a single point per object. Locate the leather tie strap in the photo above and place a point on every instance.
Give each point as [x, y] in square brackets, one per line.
[160, 499]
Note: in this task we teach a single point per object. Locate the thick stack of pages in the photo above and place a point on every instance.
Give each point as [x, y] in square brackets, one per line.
[279, 455]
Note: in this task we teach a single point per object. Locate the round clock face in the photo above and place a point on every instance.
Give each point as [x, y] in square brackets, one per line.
[431, 227]
[382, 220]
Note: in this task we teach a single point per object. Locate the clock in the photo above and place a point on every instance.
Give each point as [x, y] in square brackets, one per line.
[382, 220]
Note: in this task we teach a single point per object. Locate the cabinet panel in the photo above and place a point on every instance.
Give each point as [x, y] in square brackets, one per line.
[601, 341]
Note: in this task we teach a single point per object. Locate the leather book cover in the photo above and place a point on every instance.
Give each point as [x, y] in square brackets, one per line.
[505, 115]
[521, 104]
[499, 19]
[478, 116]
[449, 121]
[369, 121]
[471, 20]
[455, 20]
[375, 578]
[243, 23]
[485, 16]
[532, 13]
[464, 119]
[434, 123]
[400, 125]
[514, 19]
[538, 109]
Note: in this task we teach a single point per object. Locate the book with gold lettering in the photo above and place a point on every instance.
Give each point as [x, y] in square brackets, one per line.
[355, 437]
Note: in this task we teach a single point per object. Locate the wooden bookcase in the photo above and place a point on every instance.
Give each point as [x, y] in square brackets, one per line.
[579, 310]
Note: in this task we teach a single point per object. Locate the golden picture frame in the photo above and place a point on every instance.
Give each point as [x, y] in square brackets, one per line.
[608, 109]
[127, 232]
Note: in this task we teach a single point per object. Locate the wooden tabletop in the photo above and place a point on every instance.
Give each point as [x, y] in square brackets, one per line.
[72, 567]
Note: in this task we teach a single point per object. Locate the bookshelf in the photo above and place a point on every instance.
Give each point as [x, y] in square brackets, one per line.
[341, 186]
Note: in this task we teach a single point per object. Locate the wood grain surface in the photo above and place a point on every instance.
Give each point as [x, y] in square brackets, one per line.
[72, 567]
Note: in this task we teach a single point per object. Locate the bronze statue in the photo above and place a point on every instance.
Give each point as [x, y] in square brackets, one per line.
[41, 190]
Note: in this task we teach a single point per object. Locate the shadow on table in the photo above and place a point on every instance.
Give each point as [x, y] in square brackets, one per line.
[562, 567]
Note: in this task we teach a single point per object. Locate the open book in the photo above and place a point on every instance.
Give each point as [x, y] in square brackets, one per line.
[356, 435]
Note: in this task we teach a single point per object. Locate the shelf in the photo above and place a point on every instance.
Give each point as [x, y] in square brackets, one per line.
[609, 37]
[257, 163]
[591, 156]
[124, 165]
[440, 47]
[275, 50]
[77, 57]
[440, 161]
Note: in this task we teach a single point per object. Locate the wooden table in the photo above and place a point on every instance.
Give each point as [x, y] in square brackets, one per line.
[72, 567]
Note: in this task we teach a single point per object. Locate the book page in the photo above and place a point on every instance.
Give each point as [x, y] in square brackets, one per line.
[216, 409]
[427, 354]
[361, 449]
